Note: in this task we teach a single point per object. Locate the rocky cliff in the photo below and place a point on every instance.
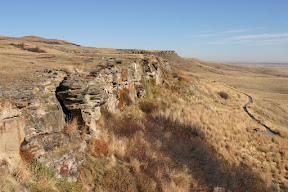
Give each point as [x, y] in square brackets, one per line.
[64, 107]
[33, 115]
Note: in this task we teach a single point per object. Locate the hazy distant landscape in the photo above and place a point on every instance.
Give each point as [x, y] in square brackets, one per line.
[278, 66]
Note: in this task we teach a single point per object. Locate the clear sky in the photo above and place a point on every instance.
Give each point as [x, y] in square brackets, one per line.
[212, 30]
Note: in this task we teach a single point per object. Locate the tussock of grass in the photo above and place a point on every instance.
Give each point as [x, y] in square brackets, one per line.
[26, 154]
[98, 147]
[33, 177]
[71, 127]
[148, 106]
[223, 95]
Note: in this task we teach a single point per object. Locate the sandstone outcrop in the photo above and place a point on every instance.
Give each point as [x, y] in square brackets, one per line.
[11, 126]
[32, 116]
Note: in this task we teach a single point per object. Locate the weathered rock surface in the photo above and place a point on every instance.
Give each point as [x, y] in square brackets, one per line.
[83, 92]
[12, 126]
[32, 116]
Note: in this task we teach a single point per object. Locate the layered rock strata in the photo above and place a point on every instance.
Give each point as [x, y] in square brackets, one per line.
[32, 117]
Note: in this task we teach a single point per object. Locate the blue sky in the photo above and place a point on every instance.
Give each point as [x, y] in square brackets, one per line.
[212, 30]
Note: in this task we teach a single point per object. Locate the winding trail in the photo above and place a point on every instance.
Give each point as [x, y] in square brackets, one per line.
[268, 130]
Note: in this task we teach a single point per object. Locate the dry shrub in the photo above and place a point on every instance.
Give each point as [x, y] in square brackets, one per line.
[98, 147]
[71, 127]
[135, 165]
[145, 182]
[138, 149]
[84, 131]
[92, 170]
[223, 95]
[118, 145]
[26, 154]
[36, 50]
[14, 177]
[124, 98]
[20, 173]
[125, 127]
[148, 107]
[106, 114]
[22, 46]
[119, 179]
[4, 162]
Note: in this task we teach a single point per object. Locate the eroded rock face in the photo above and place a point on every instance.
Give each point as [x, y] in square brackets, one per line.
[12, 126]
[32, 116]
[44, 113]
[83, 92]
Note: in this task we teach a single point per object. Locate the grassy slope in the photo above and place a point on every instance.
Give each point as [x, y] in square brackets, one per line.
[266, 85]
[195, 139]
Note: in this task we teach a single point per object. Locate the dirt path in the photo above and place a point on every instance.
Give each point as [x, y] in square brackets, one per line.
[268, 130]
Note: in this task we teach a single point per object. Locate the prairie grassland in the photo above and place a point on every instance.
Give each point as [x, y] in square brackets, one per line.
[183, 137]
[267, 85]
[18, 66]
[187, 139]
[230, 131]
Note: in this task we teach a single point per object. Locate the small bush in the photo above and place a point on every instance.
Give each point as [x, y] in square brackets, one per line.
[22, 46]
[98, 147]
[36, 50]
[71, 127]
[3, 162]
[41, 171]
[124, 98]
[119, 179]
[126, 127]
[148, 107]
[26, 155]
[223, 95]
[106, 114]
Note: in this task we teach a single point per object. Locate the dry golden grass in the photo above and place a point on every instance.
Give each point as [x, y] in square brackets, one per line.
[13, 180]
[18, 66]
[71, 127]
[98, 147]
[165, 138]
[15, 176]
[229, 129]
[155, 149]
[265, 83]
